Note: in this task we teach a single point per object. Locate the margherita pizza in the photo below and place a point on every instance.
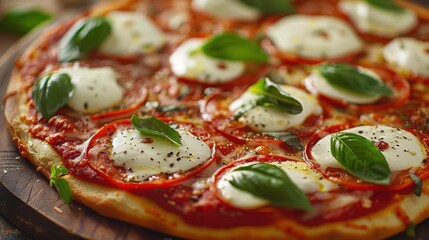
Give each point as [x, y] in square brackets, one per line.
[234, 119]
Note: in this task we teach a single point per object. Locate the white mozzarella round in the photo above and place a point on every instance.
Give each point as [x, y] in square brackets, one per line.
[95, 89]
[132, 33]
[306, 179]
[320, 85]
[408, 54]
[142, 158]
[262, 119]
[186, 61]
[377, 21]
[404, 149]
[226, 9]
[314, 37]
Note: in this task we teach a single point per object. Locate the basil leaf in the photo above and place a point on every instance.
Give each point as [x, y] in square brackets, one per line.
[154, 126]
[271, 183]
[411, 230]
[22, 20]
[360, 157]
[52, 92]
[274, 96]
[349, 78]
[60, 184]
[387, 5]
[270, 6]
[229, 46]
[419, 184]
[83, 37]
[289, 138]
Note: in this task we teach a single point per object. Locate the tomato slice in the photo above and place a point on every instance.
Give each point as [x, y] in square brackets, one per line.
[98, 150]
[399, 84]
[400, 181]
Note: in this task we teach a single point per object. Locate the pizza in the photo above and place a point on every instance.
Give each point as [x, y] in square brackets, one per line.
[233, 119]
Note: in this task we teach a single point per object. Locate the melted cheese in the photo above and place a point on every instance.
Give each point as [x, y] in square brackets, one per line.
[196, 65]
[377, 21]
[132, 33]
[320, 85]
[408, 54]
[144, 156]
[95, 89]
[303, 176]
[314, 37]
[226, 9]
[405, 150]
[264, 119]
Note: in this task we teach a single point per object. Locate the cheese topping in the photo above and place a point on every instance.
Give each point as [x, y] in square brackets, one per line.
[404, 149]
[95, 89]
[378, 21]
[143, 156]
[408, 54]
[226, 9]
[319, 84]
[314, 37]
[306, 179]
[132, 33]
[186, 61]
[262, 119]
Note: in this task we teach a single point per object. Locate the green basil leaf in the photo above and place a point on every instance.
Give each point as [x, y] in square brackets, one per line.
[360, 157]
[233, 47]
[52, 92]
[419, 184]
[271, 183]
[349, 78]
[274, 96]
[388, 5]
[60, 184]
[411, 230]
[289, 138]
[83, 37]
[22, 20]
[271, 6]
[155, 127]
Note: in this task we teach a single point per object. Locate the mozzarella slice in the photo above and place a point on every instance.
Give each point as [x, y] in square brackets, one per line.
[132, 33]
[186, 61]
[314, 37]
[320, 85]
[226, 9]
[262, 119]
[404, 149]
[377, 21]
[408, 54]
[143, 156]
[301, 175]
[95, 89]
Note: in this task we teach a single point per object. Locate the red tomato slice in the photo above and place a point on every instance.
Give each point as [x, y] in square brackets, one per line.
[97, 156]
[399, 84]
[400, 181]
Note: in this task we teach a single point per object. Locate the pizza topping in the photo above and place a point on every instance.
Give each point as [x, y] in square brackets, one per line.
[52, 92]
[314, 37]
[246, 186]
[288, 138]
[227, 9]
[132, 33]
[419, 184]
[379, 17]
[405, 150]
[360, 157]
[60, 184]
[84, 36]
[143, 156]
[188, 61]
[409, 55]
[348, 83]
[268, 107]
[95, 89]
[156, 127]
